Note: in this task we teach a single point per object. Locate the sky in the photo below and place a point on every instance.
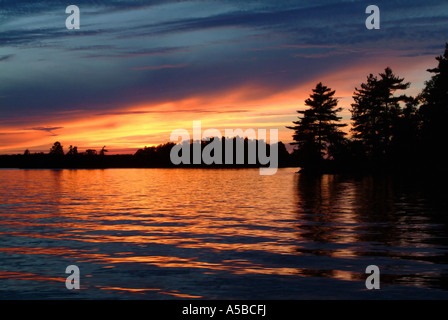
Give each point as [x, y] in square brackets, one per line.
[137, 70]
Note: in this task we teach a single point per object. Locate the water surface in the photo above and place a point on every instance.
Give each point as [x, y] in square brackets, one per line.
[218, 234]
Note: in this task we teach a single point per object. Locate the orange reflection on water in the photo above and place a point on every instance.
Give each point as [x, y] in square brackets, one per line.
[180, 295]
[133, 290]
[15, 275]
[336, 274]
[62, 251]
[174, 293]
[173, 207]
[212, 221]
[230, 266]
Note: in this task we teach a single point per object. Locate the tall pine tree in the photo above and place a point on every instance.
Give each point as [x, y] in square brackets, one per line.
[434, 113]
[317, 131]
[376, 111]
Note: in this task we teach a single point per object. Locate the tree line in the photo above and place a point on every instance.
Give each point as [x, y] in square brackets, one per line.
[389, 129]
[147, 157]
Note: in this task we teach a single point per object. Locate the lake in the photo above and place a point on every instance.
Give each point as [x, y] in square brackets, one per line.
[219, 234]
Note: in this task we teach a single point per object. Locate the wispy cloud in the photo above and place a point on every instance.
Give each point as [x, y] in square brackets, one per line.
[120, 53]
[165, 66]
[181, 110]
[6, 57]
[46, 129]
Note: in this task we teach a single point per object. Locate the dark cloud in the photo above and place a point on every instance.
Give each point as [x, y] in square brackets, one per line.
[274, 45]
[30, 38]
[120, 113]
[7, 57]
[102, 52]
[46, 129]
[19, 8]
[160, 67]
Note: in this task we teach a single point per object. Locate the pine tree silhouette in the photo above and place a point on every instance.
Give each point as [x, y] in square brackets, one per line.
[317, 131]
[375, 113]
[434, 113]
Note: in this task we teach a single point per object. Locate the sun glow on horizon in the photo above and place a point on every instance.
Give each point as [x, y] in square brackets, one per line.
[130, 128]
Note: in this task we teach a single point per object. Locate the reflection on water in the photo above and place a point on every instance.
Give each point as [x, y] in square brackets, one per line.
[225, 234]
[398, 225]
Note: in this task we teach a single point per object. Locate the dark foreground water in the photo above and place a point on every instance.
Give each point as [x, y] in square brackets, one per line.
[219, 234]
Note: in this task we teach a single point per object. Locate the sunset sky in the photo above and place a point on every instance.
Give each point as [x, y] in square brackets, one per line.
[137, 70]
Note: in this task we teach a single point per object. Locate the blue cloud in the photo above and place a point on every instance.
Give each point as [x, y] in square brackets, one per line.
[226, 44]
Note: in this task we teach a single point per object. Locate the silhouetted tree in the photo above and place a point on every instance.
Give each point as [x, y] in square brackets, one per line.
[57, 149]
[434, 112]
[27, 152]
[317, 132]
[90, 152]
[376, 111]
[72, 151]
[404, 145]
[156, 156]
[103, 151]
